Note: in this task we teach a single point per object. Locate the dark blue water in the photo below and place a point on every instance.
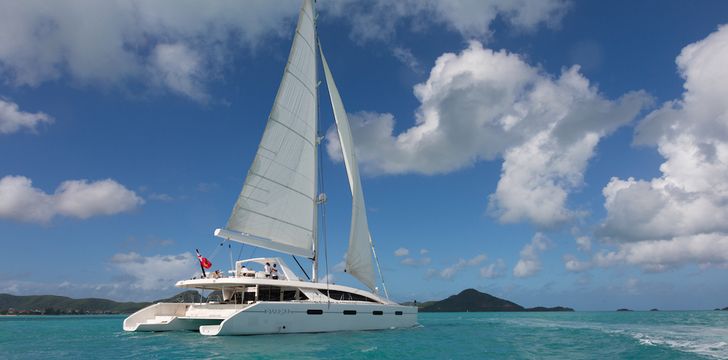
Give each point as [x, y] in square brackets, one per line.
[579, 335]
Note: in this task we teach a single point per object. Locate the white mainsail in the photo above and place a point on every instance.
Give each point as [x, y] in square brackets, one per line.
[276, 208]
[359, 255]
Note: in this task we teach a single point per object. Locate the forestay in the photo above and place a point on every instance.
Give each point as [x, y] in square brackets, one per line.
[359, 255]
[276, 207]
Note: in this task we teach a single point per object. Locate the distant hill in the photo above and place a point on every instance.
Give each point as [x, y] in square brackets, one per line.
[474, 300]
[52, 304]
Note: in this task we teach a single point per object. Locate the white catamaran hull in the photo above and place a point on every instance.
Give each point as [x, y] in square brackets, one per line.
[270, 318]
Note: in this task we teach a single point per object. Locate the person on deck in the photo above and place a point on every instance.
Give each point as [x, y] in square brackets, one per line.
[274, 272]
[267, 269]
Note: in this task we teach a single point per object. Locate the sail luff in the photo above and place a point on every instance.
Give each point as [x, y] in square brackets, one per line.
[359, 254]
[277, 201]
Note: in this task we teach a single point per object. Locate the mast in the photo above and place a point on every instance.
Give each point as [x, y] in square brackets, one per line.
[314, 271]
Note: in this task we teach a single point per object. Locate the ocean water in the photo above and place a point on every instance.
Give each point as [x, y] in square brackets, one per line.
[577, 335]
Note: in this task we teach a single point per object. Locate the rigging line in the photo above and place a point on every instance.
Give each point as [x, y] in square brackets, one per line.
[240, 253]
[379, 268]
[302, 269]
[214, 252]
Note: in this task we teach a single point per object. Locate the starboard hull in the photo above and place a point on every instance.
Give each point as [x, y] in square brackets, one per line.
[272, 318]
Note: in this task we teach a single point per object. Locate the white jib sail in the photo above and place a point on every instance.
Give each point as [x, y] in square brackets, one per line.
[359, 255]
[276, 208]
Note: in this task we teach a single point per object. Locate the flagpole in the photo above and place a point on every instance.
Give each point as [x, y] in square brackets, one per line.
[199, 257]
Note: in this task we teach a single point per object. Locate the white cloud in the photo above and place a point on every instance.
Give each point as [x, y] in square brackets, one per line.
[658, 255]
[154, 272]
[406, 57]
[116, 43]
[481, 105]
[401, 252]
[411, 259]
[679, 217]
[530, 263]
[12, 119]
[379, 20]
[450, 271]
[180, 69]
[112, 43]
[416, 261]
[19, 200]
[493, 270]
[571, 263]
[583, 243]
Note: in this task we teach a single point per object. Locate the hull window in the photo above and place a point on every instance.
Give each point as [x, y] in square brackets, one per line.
[314, 312]
[397, 313]
[349, 312]
[343, 295]
[377, 312]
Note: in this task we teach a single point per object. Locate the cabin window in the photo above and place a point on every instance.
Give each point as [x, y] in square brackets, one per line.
[269, 293]
[344, 295]
[249, 297]
[314, 312]
[397, 313]
[349, 312]
[290, 295]
[377, 312]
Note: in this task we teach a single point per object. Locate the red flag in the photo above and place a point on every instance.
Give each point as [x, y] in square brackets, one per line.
[203, 261]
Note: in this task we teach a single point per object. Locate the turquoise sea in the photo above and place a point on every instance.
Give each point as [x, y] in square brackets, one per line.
[578, 335]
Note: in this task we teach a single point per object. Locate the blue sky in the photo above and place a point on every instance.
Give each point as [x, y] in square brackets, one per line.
[552, 153]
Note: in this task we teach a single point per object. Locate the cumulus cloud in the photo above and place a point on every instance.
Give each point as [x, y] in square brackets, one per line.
[19, 200]
[482, 104]
[530, 262]
[12, 119]
[571, 263]
[156, 272]
[401, 252]
[450, 271]
[134, 41]
[380, 19]
[179, 68]
[112, 43]
[583, 243]
[679, 217]
[412, 259]
[493, 270]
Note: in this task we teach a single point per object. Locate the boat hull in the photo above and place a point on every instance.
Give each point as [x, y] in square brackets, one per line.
[271, 318]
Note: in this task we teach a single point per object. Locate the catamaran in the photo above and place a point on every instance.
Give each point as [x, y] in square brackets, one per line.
[278, 209]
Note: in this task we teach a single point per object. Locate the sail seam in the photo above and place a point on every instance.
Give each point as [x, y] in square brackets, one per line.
[300, 81]
[294, 115]
[291, 129]
[253, 199]
[276, 219]
[286, 167]
[281, 184]
[306, 41]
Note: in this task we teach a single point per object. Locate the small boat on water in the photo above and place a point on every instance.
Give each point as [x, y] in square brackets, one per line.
[278, 209]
